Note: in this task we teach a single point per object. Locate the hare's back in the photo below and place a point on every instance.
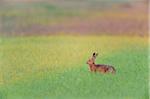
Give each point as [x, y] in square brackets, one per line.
[102, 65]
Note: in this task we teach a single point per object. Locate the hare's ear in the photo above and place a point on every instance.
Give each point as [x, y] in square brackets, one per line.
[93, 54]
[96, 54]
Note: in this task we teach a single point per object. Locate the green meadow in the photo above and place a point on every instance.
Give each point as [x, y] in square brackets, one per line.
[54, 67]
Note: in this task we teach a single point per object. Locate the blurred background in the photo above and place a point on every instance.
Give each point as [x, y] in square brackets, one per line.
[74, 17]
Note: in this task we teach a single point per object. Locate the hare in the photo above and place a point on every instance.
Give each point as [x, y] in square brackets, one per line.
[99, 67]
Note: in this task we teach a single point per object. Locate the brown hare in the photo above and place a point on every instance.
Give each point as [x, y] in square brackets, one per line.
[99, 67]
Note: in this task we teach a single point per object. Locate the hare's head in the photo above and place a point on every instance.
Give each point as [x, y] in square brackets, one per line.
[92, 59]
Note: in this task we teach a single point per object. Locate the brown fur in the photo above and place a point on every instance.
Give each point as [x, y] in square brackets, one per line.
[99, 67]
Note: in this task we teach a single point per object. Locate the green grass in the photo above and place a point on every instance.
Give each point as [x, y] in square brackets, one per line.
[55, 67]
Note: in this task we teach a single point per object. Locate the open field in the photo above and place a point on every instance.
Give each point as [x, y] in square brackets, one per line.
[55, 67]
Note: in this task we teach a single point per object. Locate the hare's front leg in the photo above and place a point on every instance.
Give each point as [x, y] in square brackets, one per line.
[90, 67]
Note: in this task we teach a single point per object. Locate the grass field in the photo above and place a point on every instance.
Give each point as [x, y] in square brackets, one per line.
[54, 67]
